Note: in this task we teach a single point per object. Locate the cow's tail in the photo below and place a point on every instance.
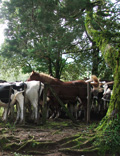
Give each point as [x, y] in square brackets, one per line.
[14, 98]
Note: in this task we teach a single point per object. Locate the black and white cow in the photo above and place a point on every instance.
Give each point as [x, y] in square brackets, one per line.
[27, 93]
[75, 107]
[9, 93]
[108, 87]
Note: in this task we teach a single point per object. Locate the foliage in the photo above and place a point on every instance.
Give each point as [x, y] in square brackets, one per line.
[38, 37]
[86, 30]
[11, 72]
[36, 33]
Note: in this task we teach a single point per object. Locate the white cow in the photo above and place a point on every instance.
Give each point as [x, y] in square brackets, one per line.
[31, 97]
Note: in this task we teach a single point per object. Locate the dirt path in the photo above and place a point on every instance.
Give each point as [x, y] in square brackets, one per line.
[53, 139]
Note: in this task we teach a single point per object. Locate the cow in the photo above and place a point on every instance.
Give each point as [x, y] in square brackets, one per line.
[9, 94]
[96, 94]
[75, 107]
[108, 87]
[97, 102]
[30, 99]
[66, 91]
[25, 94]
[33, 95]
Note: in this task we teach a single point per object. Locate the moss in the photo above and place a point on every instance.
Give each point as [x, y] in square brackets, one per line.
[3, 141]
[59, 124]
[82, 143]
[81, 151]
[11, 146]
[32, 144]
[108, 137]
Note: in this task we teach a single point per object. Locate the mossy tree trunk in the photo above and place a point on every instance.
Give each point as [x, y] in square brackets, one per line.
[113, 57]
[107, 39]
[111, 53]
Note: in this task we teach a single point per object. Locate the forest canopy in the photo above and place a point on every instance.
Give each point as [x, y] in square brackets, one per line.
[51, 36]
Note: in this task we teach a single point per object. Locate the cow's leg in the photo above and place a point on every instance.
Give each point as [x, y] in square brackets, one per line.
[53, 111]
[57, 115]
[4, 117]
[52, 116]
[71, 108]
[21, 105]
[35, 110]
[12, 112]
[48, 111]
[80, 109]
[52, 108]
[76, 111]
[79, 113]
[58, 111]
[20, 112]
[84, 103]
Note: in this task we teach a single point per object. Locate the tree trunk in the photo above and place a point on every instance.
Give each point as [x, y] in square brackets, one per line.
[95, 58]
[57, 68]
[112, 57]
[108, 131]
[114, 107]
[50, 67]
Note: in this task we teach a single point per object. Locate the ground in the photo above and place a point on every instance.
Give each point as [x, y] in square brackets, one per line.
[56, 138]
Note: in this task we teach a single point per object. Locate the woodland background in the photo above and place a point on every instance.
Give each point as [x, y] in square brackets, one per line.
[50, 36]
[69, 40]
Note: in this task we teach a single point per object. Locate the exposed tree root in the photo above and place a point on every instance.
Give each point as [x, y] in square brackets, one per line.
[77, 144]
[80, 145]
[37, 141]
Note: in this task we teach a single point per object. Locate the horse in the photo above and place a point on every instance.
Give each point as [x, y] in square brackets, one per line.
[66, 91]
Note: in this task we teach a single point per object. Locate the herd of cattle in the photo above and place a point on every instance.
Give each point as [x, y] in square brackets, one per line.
[28, 97]
[100, 95]
[100, 98]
